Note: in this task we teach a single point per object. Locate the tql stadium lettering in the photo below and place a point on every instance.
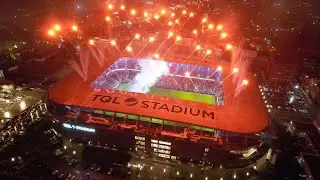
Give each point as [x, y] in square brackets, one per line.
[131, 101]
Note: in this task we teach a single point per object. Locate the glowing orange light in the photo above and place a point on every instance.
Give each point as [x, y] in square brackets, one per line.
[57, 27]
[195, 32]
[209, 51]
[170, 34]
[245, 82]
[108, 19]
[51, 32]
[198, 47]
[163, 11]
[145, 14]
[74, 28]
[157, 56]
[176, 21]
[219, 68]
[191, 14]
[178, 38]
[151, 39]
[137, 36]
[219, 27]
[156, 16]
[133, 12]
[224, 35]
[113, 42]
[129, 49]
[110, 6]
[91, 42]
[173, 14]
[204, 20]
[235, 70]
[170, 23]
[228, 46]
[122, 7]
[184, 12]
[210, 26]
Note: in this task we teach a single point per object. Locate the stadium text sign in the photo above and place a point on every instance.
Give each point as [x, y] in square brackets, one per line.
[131, 101]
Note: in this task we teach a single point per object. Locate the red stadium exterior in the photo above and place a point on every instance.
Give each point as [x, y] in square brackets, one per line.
[233, 127]
[244, 113]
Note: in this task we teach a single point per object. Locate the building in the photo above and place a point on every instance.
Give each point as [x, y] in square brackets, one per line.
[163, 125]
[19, 108]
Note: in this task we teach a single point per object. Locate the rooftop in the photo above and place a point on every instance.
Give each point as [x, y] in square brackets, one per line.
[14, 100]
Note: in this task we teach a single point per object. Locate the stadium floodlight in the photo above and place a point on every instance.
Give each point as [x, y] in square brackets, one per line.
[129, 49]
[110, 6]
[198, 47]
[170, 23]
[210, 26]
[224, 35]
[176, 21]
[184, 12]
[151, 39]
[191, 14]
[51, 32]
[195, 32]
[170, 34]
[204, 20]
[122, 7]
[113, 42]
[228, 46]
[208, 52]
[245, 82]
[156, 16]
[235, 70]
[163, 11]
[137, 36]
[178, 38]
[108, 19]
[157, 56]
[74, 28]
[219, 27]
[219, 68]
[91, 42]
[187, 74]
[57, 27]
[173, 14]
[133, 12]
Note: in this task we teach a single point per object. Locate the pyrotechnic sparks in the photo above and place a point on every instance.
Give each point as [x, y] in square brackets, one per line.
[74, 28]
[57, 27]
[210, 26]
[224, 35]
[133, 12]
[51, 32]
[91, 42]
[219, 27]
[108, 19]
[228, 46]
[110, 6]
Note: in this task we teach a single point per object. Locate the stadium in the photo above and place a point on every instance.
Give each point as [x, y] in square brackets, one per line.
[141, 103]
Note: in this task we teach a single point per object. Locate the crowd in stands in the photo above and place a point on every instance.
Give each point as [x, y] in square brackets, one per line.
[183, 77]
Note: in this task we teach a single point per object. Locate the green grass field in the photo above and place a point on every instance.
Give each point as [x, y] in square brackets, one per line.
[191, 96]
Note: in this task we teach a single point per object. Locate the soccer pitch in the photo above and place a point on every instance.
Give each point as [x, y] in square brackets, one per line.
[191, 96]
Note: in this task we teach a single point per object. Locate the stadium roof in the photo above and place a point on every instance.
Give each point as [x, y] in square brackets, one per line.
[245, 113]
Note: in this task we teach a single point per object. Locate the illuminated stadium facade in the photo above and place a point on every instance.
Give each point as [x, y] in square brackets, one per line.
[163, 108]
